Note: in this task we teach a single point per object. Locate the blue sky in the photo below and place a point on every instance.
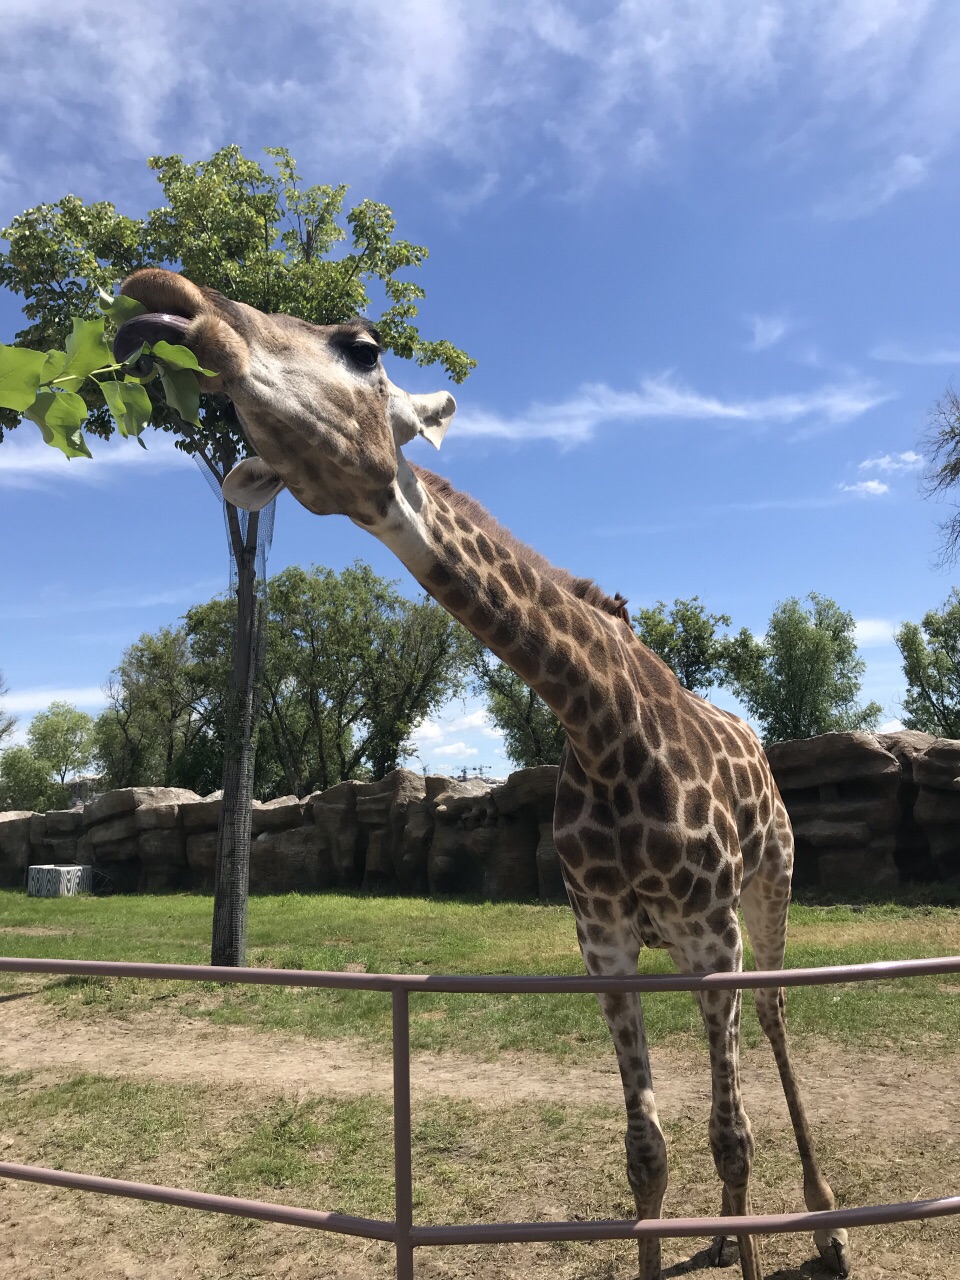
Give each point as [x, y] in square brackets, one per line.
[705, 256]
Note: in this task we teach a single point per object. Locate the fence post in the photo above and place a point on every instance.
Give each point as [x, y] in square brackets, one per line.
[402, 1154]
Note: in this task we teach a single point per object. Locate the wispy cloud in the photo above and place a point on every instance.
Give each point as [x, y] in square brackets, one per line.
[29, 701]
[455, 749]
[866, 488]
[766, 331]
[872, 190]
[611, 90]
[896, 353]
[27, 463]
[54, 603]
[891, 462]
[871, 633]
[577, 419]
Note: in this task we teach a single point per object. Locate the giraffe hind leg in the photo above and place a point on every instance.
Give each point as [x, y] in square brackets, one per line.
[764, 905]
[731, 1139]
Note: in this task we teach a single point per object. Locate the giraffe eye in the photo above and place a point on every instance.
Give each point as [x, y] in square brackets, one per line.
[363, 354]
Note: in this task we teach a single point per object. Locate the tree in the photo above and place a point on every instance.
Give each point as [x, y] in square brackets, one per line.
[26, 782]
[351, 667]
[156, 728]
[62, 736]
[803, 678]
[263, 238]
[686, 639]
[532, 734]
[931, 665]
[941, 445]
[7, 722]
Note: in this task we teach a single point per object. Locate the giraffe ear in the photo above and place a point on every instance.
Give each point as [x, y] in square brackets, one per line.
[435, 413]
[251, 485]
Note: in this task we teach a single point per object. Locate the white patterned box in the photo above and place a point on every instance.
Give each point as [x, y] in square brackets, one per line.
[50, 881]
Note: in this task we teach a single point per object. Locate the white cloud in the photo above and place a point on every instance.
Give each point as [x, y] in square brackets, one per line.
[29, 701]
[26, 462]
[896, 353]
[891, 726]
[872, 191]
[455, 749]
[766, 331]
[888, 462]
[871, 488]
[577, 419]
[872, 632]
[54, 602]
[612, 89]
[426, 732]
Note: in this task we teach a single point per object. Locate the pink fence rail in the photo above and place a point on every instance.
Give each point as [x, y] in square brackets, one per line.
[402, 1233]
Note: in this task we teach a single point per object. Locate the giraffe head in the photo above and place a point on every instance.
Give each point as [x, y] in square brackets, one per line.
[314, 400]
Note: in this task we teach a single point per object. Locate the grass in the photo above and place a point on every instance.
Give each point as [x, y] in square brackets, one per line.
[415, 935]
[539, 1160]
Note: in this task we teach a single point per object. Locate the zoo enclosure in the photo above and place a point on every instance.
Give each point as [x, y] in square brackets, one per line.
[402, 1232]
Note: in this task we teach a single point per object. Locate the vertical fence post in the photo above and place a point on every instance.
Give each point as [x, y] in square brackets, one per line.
[402, 1154]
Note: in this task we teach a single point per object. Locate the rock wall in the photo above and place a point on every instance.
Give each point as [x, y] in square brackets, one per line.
[406, 833]
[870, 812]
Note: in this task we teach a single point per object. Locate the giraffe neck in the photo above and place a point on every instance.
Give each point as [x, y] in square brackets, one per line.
[567, 650]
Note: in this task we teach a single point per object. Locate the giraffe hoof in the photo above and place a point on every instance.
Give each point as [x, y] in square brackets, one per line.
[723, 1252]
[833, 1249]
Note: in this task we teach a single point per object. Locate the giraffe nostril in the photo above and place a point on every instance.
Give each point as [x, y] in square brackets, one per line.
[156, 326]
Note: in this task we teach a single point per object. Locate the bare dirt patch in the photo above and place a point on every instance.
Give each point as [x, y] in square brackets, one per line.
[888, 1126]
[840, 1083]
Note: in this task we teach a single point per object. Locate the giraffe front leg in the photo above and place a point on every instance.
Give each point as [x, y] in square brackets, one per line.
[731, 1138]
[645, 1145]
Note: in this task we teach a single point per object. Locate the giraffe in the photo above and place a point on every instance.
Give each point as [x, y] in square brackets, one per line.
[667, 816]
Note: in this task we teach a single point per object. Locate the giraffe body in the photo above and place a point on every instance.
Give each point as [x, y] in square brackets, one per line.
[667, 816]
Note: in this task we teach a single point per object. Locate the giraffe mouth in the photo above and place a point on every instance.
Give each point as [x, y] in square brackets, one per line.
[155, 326]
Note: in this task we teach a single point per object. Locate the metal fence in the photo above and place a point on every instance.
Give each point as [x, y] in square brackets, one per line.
[402, 1233]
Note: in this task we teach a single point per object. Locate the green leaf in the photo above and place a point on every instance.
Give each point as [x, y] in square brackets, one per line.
[129, 404]
[20, 376]
[86, 348]
[182, 393]
[53, 366]
[178, 357]
[119, 307]
[59, 415]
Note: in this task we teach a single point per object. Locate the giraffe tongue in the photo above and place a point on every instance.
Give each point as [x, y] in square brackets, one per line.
[155, 326]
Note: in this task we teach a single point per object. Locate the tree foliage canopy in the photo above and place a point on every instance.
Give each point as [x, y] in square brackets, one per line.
[351, 668]
[61, 735]
[532, 734]
[7, 722]
[803, 678]
[686, 639]
[931, 665]
[255, 233]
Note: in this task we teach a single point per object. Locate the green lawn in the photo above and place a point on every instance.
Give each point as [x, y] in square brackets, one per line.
[416, 935]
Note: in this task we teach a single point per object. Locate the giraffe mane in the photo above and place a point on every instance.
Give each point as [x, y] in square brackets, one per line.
[584, 589]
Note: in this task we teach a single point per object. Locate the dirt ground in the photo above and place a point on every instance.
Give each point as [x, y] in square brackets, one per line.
[876, 1104]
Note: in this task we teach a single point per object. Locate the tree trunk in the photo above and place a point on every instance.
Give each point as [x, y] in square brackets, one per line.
[232, 876]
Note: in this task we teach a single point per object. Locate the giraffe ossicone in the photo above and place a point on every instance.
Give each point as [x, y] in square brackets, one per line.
[667, 818]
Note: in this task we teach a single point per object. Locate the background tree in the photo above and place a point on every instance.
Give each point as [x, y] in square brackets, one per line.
[532, 734]
[686, 639]
[7, 722]
[931, 665]
[156, 727]
[27, 782]
[941, 446]
[804, 677]
[351, 667]
[63, 737]
[261, 237]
